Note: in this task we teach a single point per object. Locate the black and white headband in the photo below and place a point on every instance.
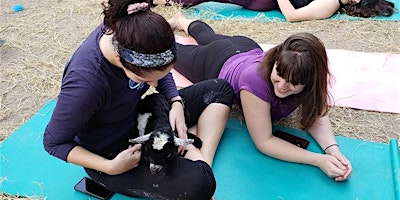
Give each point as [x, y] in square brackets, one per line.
[146, 60]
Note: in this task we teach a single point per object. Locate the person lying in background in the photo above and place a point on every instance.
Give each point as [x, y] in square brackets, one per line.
[304, 10]
[269, 86]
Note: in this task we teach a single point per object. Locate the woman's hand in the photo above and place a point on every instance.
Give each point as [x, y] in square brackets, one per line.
[177, 121]
[125, 160]
[335, 152]
[335, 166]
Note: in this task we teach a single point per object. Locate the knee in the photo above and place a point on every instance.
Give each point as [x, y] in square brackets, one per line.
[196, 181]
[206, 184]
[225, 94]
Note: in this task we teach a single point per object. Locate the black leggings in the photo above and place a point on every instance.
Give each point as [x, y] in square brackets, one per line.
[183, 178]
[258, 5]
[205, 60]
[180, 179]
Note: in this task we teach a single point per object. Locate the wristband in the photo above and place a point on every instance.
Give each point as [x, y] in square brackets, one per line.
[177, 99]
[330, 147]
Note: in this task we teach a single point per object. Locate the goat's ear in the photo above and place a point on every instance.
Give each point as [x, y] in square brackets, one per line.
[182, 142]
[141, 139]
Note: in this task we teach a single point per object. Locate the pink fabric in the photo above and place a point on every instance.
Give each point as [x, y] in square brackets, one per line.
[365, 81]
[361, 80]
[136, 7]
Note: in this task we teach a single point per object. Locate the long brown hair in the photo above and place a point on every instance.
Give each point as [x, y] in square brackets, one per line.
[144, 31]
[369, 8]
[302, 59]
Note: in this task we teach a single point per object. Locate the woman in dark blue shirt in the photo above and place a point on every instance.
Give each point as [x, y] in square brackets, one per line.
[102, 85]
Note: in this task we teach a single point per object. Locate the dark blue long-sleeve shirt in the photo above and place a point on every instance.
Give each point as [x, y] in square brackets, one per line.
[95, 106]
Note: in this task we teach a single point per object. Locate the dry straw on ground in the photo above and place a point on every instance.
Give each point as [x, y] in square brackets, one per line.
[41, 38]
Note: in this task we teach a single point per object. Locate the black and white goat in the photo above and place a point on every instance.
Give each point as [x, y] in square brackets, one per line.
[159, 142]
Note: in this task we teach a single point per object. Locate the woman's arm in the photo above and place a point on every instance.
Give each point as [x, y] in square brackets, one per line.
[317, 9]
[168, 88]
[123, 162]
[77, 102]
[322, 132]
[258, 120]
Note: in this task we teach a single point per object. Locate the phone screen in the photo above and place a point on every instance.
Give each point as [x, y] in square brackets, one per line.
[88, 186]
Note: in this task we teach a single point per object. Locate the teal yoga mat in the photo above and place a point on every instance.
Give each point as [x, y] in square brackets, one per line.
[241, 171]
[217, 11]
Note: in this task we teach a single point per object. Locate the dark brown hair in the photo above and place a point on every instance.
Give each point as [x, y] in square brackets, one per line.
[144, 31]
[302, 59]
[369, 8]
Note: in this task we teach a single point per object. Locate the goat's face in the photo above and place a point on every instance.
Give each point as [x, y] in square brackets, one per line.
[159, 148]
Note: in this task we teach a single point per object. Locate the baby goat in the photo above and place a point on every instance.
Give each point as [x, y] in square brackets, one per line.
[159, 141]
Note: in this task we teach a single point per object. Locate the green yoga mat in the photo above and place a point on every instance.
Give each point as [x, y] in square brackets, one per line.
[218, 11]
[241, 171]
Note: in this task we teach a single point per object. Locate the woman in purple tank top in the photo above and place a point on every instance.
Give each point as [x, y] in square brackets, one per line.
[269, 86]
[303, 10]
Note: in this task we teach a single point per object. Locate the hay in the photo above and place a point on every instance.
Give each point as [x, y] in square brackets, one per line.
[40, 39]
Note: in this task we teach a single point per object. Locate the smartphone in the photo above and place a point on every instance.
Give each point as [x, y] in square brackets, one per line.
[88, 186]
[300, 142]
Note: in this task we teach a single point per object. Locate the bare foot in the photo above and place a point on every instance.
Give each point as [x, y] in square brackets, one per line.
[159, 2]
[174, 21]
[179, 22]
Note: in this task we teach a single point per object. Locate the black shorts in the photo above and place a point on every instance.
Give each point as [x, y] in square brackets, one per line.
[198, 96]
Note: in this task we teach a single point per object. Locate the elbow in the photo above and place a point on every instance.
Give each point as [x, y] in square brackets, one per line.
[263, 145]
[289, 19]
[56, 149]
[292, 18]
[49, 147]
[259, 148]
[49, 143]
[295, 17]
[289, 16]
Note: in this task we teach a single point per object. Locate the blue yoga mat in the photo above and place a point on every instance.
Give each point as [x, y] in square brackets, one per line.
[241, 171]
[218, 11]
